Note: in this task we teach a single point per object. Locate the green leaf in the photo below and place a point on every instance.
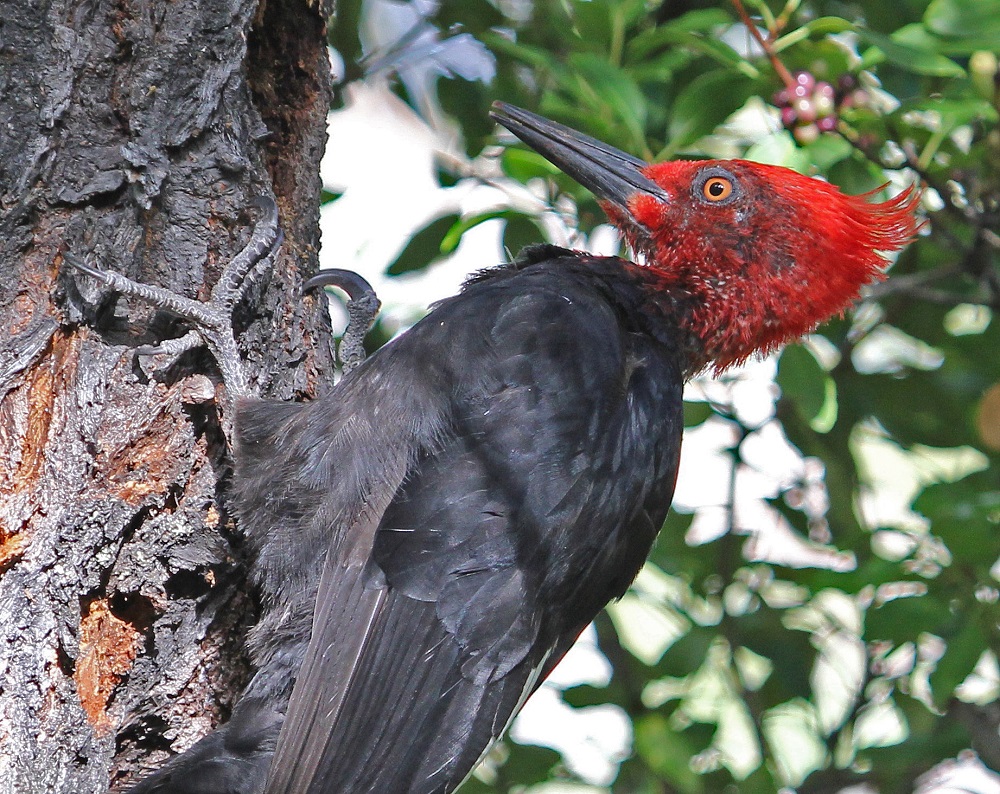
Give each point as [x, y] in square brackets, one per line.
[424, 247]
[855, 175]
[519, 232]
[966, 516]
[592, 21]
[964, 650]
[525, 164]
[674, 556]
[696, 412]
[908, 57]
[792, 652]
[724, 54]
[905, 619]
[465, 101]
[704, 104]
[917, 35]
[827, 150]
[678, 31]
[584, 696]
[474, 16]
[802, 380]
[445, 176]
[667, 752]
[345, 39]
[821, 26]
[779, 149]
[824, 58]
[957, 112]
[964, 18]
[459, 228]
[528, 764]
[536, 57]
[603, 86]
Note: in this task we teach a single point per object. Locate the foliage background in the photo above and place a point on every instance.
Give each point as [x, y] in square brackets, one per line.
[845, 629]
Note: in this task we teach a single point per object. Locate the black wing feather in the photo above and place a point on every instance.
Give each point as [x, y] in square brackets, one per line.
[536, 504]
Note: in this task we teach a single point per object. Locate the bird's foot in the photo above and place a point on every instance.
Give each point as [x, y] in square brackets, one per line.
[212, 320]
[362, 309]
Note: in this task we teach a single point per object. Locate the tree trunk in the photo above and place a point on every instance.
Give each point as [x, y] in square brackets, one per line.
[135, 134]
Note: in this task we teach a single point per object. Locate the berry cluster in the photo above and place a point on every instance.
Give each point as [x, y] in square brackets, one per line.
[810, 107]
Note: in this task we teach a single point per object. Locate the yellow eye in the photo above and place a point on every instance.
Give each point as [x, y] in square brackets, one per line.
[717, 188]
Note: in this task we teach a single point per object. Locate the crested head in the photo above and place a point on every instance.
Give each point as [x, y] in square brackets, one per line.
[742, 256]
[757, 255]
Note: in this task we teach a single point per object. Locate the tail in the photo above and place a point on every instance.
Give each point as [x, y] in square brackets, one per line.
[233, 759]
[410, 722]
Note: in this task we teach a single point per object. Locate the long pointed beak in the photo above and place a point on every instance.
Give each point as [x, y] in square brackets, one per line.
[609, 173]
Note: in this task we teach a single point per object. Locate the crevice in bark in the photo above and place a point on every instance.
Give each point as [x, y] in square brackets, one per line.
[289, 76]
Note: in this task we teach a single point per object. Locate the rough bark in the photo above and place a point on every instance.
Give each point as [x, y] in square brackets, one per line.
[134, 135]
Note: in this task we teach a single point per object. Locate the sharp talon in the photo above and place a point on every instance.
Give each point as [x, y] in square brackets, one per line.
[72, 261]
[349, 281]
[362, 309]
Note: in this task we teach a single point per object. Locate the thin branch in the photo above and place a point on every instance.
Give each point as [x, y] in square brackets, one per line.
[766, 45]
[991, 238]
[911, 280]
[945, 298]
[911, 162]
[965, 216]
[914, 285]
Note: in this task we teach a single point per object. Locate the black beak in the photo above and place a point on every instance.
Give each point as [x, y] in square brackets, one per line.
[609, 173]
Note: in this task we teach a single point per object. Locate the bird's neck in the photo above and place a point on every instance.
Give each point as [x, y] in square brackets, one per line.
[716, 326]
[684, 311]
[647, 308]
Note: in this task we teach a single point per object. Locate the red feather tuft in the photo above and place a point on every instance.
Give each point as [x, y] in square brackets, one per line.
[892, 222]
[766, 263]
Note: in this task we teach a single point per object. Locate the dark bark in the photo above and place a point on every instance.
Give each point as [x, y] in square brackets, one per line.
[134, 135]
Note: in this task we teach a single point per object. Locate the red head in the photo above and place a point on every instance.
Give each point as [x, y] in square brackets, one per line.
[764, 253]
[748, 256]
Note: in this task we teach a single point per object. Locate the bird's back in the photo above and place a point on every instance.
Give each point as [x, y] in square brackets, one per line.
[530, 501]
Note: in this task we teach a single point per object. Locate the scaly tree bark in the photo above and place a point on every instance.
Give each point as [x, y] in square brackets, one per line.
[134, 137]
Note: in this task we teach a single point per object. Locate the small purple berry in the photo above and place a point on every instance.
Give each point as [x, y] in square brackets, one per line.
[824, 89]
[868, 141]
[806, 134]
[824, 102]
[827, 124]
[846, 83]
[805, 109]
[788, 117]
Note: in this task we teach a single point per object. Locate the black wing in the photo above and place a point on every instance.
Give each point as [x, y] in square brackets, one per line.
[536, 504]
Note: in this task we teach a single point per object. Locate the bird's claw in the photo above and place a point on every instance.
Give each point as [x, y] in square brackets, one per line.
[93, 272]
[212, 321]
[362, 308]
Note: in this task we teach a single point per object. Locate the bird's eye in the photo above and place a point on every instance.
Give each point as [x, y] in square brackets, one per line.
[717, 188]
[715, 184]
